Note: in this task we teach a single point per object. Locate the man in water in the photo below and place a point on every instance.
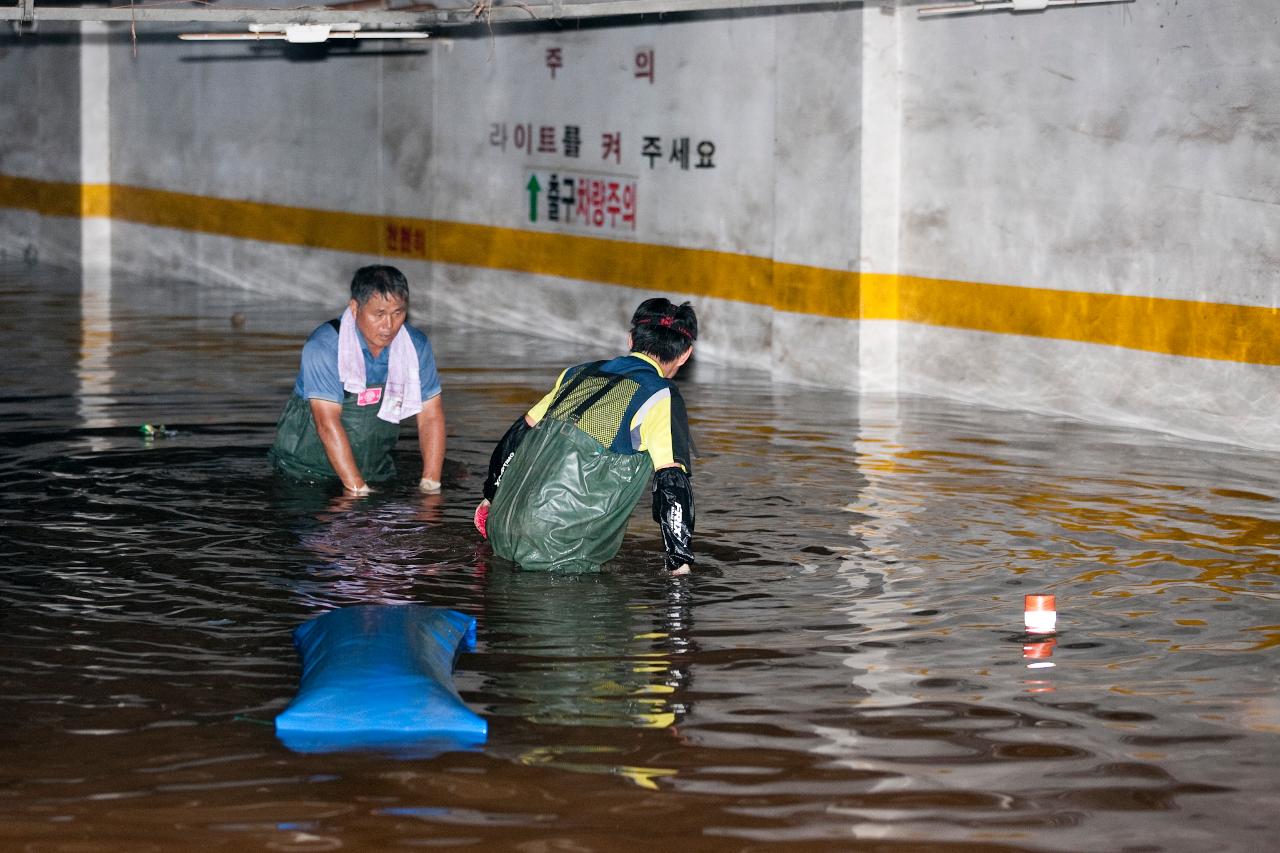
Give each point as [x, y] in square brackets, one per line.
[362, 374]
[564, 479]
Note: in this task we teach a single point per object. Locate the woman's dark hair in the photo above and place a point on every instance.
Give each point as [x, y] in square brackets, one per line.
[662, 329]
[380, 279]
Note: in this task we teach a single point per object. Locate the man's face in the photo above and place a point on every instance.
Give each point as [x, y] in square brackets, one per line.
[379, 320]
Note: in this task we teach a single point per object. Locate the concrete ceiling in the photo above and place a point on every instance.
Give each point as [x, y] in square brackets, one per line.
[418, 15]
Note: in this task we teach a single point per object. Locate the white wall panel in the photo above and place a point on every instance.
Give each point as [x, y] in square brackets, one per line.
[1196, 398]
[40, 135]
[504, 119]
[241, 120]
[39, 113]
[1119, 149]
[1125, 149]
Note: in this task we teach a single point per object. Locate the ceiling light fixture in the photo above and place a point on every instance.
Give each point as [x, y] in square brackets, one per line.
[304, 33]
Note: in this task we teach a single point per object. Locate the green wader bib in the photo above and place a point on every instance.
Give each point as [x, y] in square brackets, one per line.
[299, 453]
[565, 500]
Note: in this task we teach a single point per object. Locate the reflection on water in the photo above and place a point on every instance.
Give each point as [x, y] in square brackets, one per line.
[848, 670]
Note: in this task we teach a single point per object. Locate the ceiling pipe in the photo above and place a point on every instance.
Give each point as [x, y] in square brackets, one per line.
[549, 10]
[978, 6]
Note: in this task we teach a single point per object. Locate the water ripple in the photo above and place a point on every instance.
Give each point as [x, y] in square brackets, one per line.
[847, 670]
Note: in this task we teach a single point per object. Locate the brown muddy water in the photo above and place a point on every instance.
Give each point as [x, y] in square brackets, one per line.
[848, 670]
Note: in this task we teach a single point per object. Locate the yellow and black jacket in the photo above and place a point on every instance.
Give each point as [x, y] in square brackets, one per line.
[562, 490]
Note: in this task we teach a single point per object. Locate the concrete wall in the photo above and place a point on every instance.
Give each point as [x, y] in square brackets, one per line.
[775, 117]
[267, 124]
[1119, 150]
[40, 138]
[1072, 211]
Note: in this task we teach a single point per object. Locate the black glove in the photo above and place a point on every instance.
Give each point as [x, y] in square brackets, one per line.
[673, 510]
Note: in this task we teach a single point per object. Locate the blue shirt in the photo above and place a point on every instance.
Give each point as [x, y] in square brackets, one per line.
[318, 378]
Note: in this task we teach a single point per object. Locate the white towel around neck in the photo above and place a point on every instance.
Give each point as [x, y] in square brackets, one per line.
[402, 395]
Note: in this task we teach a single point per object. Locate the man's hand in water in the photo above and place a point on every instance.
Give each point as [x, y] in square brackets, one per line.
[683, 570]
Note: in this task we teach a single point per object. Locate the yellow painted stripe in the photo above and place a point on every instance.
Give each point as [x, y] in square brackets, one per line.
[50, 198]
[1211, 330]
[1171, 326]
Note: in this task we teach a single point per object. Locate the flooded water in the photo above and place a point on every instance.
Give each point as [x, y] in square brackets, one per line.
[848, 670]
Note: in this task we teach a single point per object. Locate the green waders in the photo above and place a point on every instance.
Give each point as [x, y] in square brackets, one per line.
[565, 500]
[299, 453]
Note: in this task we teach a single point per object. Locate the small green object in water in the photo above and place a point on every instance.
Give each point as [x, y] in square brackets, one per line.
[152, 430]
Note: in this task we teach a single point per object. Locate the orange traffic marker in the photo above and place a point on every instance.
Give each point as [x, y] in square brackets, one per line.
[1040, 614]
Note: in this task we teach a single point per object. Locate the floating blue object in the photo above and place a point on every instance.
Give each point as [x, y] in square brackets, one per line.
[381, 676]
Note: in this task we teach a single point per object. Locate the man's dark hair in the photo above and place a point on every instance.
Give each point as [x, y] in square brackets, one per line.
[662, 329]
[380, 279]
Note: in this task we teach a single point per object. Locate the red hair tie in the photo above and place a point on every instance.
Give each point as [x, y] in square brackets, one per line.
[668, 322]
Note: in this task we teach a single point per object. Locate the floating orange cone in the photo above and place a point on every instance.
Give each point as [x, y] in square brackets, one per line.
[1040, 614]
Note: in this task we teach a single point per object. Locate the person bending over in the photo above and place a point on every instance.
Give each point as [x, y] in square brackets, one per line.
[361, 375]
[565, 477]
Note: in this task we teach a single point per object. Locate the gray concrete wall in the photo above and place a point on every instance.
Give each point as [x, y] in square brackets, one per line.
[874, 176]
[273, 124]
[1126, 149]
[1115, 149]
[818, 189]
[777, 96]
[40, 137]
